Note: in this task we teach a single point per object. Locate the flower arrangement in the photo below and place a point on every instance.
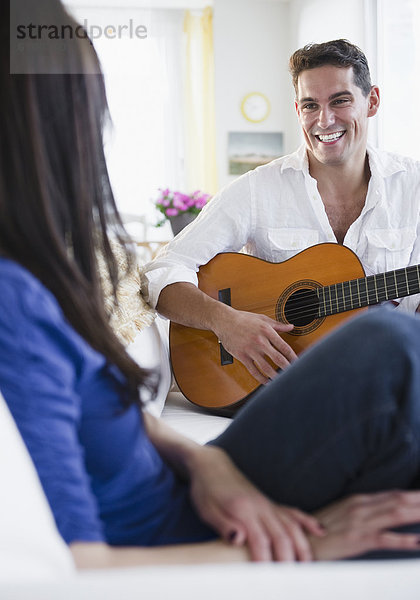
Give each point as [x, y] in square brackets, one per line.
[171, 204]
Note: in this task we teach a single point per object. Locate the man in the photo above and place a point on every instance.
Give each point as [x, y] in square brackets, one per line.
[333, 189]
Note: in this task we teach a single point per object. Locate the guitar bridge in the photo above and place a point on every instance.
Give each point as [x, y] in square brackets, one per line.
[225, 357]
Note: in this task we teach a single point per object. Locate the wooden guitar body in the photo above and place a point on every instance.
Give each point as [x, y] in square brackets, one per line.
[205, 373]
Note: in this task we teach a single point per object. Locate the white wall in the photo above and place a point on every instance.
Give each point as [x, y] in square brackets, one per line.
[323, 20]
[251, 40]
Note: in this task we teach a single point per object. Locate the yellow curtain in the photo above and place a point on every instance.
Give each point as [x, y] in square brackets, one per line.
[199, 118]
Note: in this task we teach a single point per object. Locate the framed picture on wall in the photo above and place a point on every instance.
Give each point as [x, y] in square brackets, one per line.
[250, 149]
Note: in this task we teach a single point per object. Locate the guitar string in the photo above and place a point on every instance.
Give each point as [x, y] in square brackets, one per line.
[269, 302]
[346, 296]
[309, 308]
[332, 302]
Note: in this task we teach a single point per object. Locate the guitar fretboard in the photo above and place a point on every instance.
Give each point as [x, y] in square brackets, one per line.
[367, 291]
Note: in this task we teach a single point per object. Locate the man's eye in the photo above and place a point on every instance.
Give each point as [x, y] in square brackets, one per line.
[309, 106]
[341, 101]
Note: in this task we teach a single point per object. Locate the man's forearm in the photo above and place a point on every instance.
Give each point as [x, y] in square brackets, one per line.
[184, 303]
[252, 338]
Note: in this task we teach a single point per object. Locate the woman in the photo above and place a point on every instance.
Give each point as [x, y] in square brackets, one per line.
[123, 488]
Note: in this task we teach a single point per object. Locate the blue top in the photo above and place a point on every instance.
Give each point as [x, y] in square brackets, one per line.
[102, 476]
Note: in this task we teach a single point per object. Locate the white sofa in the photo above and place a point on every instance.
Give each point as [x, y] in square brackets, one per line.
[36, 564]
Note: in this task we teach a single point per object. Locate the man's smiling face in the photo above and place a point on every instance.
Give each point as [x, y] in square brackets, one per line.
[333, 113]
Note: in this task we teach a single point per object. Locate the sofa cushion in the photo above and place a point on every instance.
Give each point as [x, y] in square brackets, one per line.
[30, 545]
[192, 421]
[150, 349]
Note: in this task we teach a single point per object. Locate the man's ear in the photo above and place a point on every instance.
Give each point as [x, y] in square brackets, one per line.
[297, 108]
[374, 101]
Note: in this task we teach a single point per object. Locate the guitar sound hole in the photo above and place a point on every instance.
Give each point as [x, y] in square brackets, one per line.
[301, 307]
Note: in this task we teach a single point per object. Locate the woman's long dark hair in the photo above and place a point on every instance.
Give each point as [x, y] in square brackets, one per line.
[56, 204]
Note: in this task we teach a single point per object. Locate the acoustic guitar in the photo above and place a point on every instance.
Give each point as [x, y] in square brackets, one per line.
[316, 290]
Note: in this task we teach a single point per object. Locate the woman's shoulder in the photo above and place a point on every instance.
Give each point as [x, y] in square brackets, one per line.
[22, 291]
[34, 332]
[15, 276]
[26, 305]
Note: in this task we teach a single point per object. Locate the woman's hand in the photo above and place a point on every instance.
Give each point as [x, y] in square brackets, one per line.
[361, 523]
[232, 505]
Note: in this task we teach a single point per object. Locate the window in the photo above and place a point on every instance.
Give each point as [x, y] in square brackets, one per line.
[144, 85]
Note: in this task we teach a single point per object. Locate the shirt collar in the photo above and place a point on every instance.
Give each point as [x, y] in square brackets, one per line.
[384, 164]
[298, 160]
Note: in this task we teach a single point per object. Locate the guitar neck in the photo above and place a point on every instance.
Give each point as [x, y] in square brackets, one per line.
[368, 291]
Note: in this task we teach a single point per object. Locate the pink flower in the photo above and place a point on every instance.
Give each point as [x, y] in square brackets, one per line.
[189, 201]
[201, 201]
[172, 212]
[180, 201]
[172, 203]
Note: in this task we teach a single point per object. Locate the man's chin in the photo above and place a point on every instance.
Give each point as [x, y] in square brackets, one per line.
[331, 161]
[326, 158]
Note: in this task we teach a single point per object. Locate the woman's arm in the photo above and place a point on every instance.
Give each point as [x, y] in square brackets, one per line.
[88, 555]
[354, 526]
[226, 500]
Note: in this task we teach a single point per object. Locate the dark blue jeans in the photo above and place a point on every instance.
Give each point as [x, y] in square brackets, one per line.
[344, 419]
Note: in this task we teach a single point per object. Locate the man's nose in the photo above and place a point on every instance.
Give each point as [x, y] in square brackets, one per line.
[326, 117]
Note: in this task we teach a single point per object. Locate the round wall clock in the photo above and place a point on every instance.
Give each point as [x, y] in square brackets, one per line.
[255, 107]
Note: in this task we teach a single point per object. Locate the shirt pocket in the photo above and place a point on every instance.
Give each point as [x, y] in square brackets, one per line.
[286, 242]
[390, 249]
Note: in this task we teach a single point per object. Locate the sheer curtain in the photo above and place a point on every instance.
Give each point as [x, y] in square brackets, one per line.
[200, 120]
[145, 147]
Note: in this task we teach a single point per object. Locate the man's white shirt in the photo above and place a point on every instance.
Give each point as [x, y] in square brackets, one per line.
[276, 211]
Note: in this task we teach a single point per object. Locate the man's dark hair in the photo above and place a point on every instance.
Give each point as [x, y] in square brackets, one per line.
[338, 53]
